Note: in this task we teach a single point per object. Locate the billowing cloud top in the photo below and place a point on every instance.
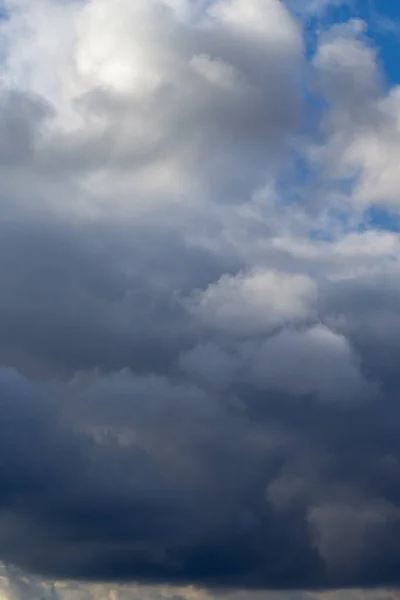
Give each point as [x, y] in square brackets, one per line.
[199, 306]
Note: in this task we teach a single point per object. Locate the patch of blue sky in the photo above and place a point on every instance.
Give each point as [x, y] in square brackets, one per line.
[383, 21]
[380, 218]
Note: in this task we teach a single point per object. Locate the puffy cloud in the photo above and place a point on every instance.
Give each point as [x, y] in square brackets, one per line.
[361, 128]
[255, 303]
[314, 361]
[173, 104]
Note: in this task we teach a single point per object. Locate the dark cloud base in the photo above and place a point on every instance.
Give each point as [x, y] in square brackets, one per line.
[284, 493]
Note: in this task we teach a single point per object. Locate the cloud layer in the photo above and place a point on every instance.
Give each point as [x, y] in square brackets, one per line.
[199, 325]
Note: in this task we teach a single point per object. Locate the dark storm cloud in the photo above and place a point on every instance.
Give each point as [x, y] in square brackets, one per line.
[276, 492]
[85, 297]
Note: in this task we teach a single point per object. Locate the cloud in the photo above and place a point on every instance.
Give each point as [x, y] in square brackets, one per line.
[170, 104]
[361, 128]
[315, 7]
[198, 319]
[255, 303]
[313, 361]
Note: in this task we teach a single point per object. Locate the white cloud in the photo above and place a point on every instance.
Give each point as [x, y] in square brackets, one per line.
[151, 104]
[254, 303]
[361, 128]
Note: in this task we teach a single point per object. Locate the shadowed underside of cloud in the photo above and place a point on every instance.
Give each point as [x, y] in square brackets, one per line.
[199, 326]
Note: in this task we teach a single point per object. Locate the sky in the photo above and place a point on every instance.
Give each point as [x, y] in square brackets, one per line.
[200, 300]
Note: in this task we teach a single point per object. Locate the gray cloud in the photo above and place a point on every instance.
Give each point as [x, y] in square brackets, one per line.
[199, 372]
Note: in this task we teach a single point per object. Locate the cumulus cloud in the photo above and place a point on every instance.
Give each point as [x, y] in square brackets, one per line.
[255, 303]
[198, 318]
[361, 129]
[311, 361]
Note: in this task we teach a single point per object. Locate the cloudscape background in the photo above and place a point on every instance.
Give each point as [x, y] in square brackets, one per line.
[200, 299]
